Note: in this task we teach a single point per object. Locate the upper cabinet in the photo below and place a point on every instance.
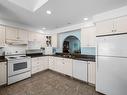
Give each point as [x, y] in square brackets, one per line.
[15, 34]
[121, 24]
[23, 35]
[11, 33]
[37, 37]
[2, 36]
[34, 36]
[54, 40]
[112, 26]
[88, 37]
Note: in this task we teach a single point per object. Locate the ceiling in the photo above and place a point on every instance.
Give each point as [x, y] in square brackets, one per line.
[64, 12]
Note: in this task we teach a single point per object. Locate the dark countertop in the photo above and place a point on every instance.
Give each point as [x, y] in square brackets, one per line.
[73, 56]
[3, 59]
[36, 55]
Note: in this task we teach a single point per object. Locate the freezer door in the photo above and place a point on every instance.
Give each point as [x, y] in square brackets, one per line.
[112, 45]
[111, 75]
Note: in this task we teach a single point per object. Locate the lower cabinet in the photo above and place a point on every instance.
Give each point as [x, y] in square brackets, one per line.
[3, 73]
[80, 70]
[44, 61]
[92, 72]
[61, 65]
[39, 64]
[67, 66]
[52, 63]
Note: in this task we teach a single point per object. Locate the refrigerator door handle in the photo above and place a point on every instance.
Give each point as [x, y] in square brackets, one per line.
[97, 57]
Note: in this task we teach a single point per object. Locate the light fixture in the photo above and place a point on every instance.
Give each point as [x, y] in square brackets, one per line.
[48, 12]
[43, 28]
[85, 19]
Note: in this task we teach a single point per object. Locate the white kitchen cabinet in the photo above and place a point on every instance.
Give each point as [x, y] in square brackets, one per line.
[2, 36]
[35, 36]
[39, 64]
[113, 26]
[54, 40]
[121, 25]
[3, 73]
[67, 66]
[88, 37]
[36, 66]
[23, 35]
[11, 33]
[44, 62]
[64, 66]
[52, 63]
[15, 34]
[59, 64]
[80, 70]
[92, 72]
[105, 27]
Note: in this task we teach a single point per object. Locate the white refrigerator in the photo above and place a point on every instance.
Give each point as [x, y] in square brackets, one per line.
[111, 72]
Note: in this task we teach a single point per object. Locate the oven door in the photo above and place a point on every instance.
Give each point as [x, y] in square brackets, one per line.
[18, 67]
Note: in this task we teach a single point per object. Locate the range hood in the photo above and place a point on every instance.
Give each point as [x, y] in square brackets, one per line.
[16, 42]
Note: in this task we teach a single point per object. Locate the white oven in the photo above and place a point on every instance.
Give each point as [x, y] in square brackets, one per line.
[16, 67]
[19, 68]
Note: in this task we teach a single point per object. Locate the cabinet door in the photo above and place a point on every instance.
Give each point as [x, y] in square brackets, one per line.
[80, 70]
[84, 38]
[51, 63]
[44, 61]
[35, 65]
[67, 66]
[88, 37]
[23, 35]
[54, 40]
[3, 73]
[11, 33]
[92, 36]
[122, 25]
[38, 37]
[59, 64]
[105, 27]
[2, 36]
[92, 72]
[32, 36]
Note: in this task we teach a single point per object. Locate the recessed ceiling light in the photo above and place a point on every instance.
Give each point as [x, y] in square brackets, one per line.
[85, 19]
[49, 12]
[43, 28]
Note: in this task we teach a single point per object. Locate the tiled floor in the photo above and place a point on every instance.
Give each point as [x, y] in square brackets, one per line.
[48, 83]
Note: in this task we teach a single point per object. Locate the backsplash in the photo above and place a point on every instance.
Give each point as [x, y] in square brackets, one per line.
[20, 49]
[88, 50]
